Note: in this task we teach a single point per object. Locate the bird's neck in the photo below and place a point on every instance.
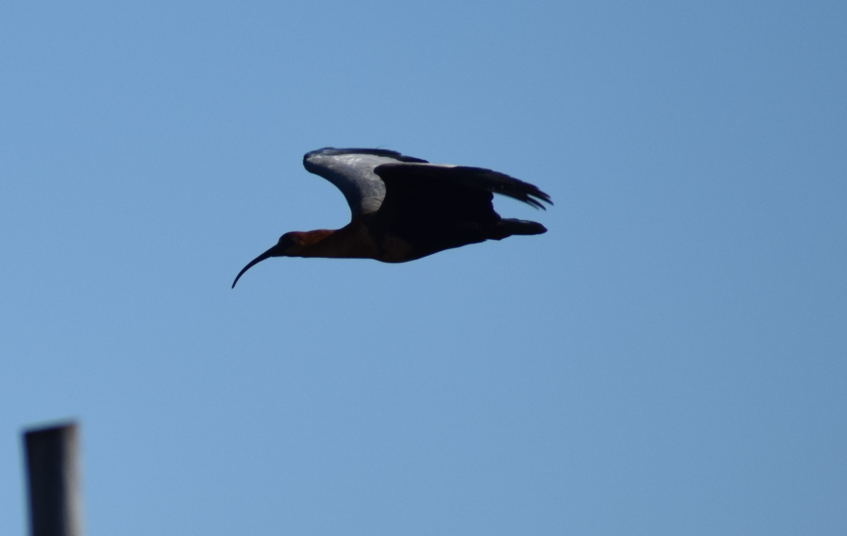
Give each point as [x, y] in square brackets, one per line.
[350, 242]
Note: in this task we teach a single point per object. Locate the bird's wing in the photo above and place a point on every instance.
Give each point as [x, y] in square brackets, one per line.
[471, 178]
[352, 172]
[434, 207]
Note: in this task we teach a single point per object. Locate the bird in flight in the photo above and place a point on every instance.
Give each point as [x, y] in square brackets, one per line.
[405, 208]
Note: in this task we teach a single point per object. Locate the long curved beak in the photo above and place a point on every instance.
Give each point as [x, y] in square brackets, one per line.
[266, 255]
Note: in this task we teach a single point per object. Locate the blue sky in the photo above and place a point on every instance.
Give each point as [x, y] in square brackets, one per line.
[668, 359]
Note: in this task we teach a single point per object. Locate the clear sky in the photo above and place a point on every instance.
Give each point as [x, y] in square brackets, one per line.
[670, 358]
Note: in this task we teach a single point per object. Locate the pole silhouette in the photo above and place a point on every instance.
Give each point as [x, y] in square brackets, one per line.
[55, 500]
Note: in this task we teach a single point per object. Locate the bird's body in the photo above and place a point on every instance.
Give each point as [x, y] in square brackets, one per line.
[404, 208]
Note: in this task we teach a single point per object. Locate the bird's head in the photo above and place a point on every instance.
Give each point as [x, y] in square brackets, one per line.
[290, 245]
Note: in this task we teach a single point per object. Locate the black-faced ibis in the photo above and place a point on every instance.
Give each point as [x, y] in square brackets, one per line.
[405, 208]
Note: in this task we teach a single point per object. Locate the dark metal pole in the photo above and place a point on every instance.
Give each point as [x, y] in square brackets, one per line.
[55, 501]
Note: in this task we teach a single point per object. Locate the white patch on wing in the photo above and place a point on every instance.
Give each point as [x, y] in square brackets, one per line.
[354, 175]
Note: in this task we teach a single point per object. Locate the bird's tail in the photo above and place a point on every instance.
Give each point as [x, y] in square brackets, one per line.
[509, 227]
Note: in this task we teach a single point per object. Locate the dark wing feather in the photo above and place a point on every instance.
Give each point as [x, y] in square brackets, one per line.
[435, 207]
[469, 177]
